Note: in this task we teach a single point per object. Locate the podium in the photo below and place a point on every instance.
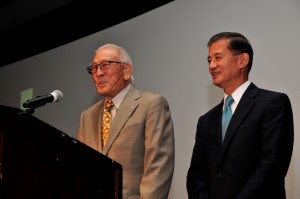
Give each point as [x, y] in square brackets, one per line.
[39, 161]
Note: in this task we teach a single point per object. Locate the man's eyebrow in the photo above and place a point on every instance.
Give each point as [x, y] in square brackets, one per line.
[216, 54]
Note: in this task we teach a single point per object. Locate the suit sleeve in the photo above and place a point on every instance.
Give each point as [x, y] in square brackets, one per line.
[159, 151]
[196, 184]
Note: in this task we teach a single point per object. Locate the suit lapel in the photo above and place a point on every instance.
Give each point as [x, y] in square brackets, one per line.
[216, 130]
[127, 107]
[245, 105]
[96, 116]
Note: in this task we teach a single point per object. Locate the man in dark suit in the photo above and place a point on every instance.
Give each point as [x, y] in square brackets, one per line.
[141, 135]
[251, 160]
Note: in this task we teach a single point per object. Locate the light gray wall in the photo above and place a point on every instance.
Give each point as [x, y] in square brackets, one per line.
[168, 47]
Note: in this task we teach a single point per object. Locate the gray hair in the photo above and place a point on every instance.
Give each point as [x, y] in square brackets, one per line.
[123, 53]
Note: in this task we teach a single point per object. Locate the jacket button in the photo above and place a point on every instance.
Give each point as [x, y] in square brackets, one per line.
[219, 174]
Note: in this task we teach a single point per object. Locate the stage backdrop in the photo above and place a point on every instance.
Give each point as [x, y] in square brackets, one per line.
[168, 47]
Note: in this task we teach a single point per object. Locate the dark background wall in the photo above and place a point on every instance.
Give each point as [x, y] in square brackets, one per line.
[30, 27]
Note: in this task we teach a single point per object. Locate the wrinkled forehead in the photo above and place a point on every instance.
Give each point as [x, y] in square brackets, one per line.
[106, 54]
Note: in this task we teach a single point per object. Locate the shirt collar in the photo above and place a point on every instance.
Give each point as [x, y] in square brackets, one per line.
[237, 94]
[117, 100]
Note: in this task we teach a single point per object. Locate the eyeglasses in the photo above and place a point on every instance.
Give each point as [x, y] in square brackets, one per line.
[103, 66]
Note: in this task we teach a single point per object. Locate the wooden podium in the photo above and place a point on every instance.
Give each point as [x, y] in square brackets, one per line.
[38, 161]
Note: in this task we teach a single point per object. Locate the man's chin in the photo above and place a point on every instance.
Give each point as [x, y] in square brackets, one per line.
[217, 83]
[102, 91]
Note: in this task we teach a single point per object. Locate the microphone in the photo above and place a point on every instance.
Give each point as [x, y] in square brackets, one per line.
[38, 101]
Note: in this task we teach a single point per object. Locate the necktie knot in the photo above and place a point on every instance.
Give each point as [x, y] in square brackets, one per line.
[108, 105]
[227, 113]
[228, 102]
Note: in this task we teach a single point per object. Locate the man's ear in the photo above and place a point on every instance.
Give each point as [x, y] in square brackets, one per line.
[127, 72]
[243, 60]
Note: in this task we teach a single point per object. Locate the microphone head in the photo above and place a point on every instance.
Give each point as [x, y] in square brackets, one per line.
[57, 95]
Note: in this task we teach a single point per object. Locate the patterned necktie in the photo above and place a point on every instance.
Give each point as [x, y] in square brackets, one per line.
[106, 120]
[227, 113]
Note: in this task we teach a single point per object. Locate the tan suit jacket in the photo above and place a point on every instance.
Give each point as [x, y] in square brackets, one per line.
[141, 139]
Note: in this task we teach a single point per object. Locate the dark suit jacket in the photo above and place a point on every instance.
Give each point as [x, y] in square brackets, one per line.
[253, 161]
[141, 139]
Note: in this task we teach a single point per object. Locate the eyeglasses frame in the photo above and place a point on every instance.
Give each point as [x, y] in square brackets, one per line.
[100, 65]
